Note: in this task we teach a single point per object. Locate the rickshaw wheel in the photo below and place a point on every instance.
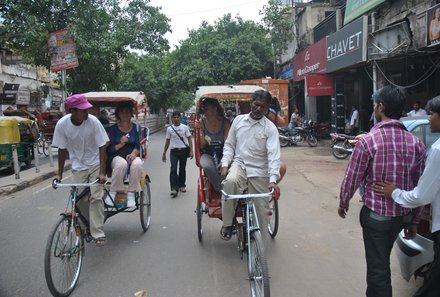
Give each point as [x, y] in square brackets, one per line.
[199, 212]
[273, 219]
[46, 148]
[145, 206]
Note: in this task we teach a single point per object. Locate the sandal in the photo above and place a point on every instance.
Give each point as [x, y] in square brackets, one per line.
[100, 241]
[226, 233]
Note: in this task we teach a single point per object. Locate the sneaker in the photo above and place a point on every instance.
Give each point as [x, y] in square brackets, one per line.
[173, 193]
[130, 200]
[182, 189]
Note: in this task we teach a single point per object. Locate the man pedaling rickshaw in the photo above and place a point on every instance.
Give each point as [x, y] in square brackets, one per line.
[252, 149]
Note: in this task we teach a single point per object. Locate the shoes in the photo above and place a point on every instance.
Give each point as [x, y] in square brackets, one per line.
[130, 200]
[108, 201]
[100, 241]
[173, 194]
[182, 189]
[226, 232]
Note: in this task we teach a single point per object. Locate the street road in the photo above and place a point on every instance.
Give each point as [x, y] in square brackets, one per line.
[315, 253]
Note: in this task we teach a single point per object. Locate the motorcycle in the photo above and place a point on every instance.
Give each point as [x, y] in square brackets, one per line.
[343, 144]
[297, 135]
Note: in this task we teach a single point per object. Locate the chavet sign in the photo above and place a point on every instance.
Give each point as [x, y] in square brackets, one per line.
[347, 46]
[310, 60]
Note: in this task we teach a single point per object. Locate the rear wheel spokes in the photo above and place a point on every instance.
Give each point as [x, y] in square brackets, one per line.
[258, 270]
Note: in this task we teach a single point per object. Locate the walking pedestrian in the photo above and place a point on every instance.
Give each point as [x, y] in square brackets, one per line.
[178, 137]
[388, 152]
[426, 192]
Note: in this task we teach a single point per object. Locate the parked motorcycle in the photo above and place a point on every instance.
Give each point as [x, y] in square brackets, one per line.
[343, 144]
[297, 135]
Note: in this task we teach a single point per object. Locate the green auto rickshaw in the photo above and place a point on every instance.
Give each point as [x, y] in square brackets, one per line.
[17, 131]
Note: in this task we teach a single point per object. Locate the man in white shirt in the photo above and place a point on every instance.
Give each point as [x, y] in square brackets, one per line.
[85, 139]
[178, 137]
[354, 120]
[426, 192]
[417, 111]
[253, 151]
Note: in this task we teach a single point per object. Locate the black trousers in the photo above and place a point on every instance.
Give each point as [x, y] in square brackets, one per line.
[178, 159]
[431, 284]
[379, 234]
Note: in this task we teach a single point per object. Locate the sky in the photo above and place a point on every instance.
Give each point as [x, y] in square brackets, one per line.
[189, 14]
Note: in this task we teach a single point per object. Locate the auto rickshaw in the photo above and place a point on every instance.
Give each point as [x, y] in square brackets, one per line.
[16, 130]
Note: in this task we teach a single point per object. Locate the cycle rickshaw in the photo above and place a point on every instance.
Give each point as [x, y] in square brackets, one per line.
[246, 226]
[65, 246]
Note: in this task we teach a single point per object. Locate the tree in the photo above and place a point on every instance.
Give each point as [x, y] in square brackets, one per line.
[278, 21]
[104, 31]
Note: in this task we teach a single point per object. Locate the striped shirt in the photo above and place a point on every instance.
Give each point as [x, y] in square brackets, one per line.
[388, 153]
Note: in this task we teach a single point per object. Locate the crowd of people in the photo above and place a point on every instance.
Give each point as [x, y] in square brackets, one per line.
[396, 182]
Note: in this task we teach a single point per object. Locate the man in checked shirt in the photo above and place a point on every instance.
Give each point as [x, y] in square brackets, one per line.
[388, 153]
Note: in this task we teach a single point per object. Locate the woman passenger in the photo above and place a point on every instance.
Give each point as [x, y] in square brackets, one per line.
[213, 129]
[123, 150]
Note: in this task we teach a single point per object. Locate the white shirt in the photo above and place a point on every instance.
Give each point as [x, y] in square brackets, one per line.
[175, 141]
[419, 112]
[427, 190]
[82, 142]
[354, 118]
[253, 145]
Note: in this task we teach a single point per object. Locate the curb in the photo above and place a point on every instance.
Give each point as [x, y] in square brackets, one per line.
[9, 189]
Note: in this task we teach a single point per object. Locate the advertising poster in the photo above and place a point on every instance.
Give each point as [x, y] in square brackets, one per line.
[433, 26]
[62, 50]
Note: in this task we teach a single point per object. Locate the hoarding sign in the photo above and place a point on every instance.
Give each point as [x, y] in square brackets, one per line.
[347, 46]
[310, 60]
[23, 97]
[433, 26]
[62, 50]
[319, 85]
[355, 8]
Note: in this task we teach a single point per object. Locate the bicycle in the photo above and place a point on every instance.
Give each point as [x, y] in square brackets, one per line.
[64, 252]
[250, 241]
[43, 144]
[65, 246]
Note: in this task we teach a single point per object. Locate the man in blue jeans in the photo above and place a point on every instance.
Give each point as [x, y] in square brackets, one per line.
[178, 137]
[388, 152]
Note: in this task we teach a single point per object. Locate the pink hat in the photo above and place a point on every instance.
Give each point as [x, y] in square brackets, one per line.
[78, 101]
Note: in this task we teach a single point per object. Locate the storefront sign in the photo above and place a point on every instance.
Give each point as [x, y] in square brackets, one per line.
[310, 60]
[62, 50]
[23, 97]
[286, 73]
[433, 26]
[355, 8]
[319, 85]
[348, 46]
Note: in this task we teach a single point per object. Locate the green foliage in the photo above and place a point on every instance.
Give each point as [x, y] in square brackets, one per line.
[104, 31]
[227, 52]
[278, 21]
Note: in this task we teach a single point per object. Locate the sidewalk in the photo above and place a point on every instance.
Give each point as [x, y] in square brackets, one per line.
[29, 177]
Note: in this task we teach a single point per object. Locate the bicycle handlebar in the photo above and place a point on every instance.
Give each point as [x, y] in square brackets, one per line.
[57, 184]
[247, 196]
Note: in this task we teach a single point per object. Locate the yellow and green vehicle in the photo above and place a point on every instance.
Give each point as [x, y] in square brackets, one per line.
[15, 130]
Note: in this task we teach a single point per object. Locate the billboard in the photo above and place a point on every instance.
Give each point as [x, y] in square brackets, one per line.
[433, 25]
[348, 46]
[62, 50]
[355, 8]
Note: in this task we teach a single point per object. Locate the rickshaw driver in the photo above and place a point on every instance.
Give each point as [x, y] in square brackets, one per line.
[85, 139]
[253, 150]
